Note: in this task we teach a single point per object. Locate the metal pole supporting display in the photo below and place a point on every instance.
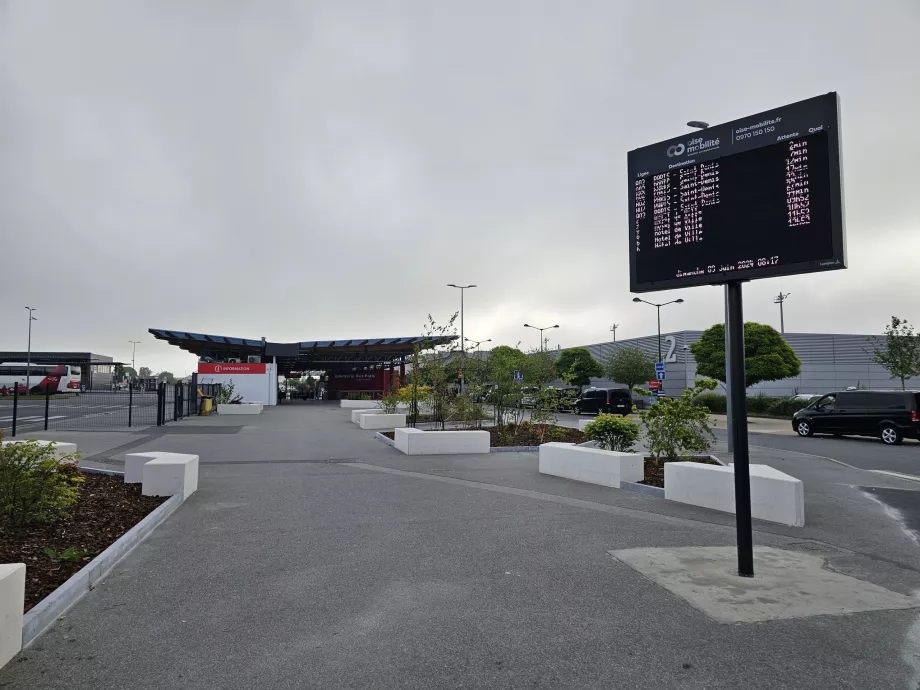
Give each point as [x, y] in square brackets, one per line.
[728, 381]
[735, 364]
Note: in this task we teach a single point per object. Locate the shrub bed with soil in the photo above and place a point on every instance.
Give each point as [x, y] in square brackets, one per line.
[105, 510]
[523, 434]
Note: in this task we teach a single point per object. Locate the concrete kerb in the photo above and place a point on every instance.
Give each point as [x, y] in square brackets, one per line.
[52, 607]
[380, 437]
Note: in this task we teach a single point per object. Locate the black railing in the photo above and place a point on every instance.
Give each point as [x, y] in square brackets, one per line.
[121, 408]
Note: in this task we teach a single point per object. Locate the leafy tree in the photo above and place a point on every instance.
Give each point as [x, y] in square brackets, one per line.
[505, 394]
[576, 366]
[144, 373]
[430, 369]
[899, 353]
[767, 357]
[675, 426]
[630, 366]
[166, 377]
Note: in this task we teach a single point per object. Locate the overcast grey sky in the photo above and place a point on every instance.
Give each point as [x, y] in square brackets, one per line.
[330, 166]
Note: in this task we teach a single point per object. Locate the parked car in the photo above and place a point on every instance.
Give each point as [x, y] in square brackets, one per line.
[889, 415]
[529, 396]
[604, 400]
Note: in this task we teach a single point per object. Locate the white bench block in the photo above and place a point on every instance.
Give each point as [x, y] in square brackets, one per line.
[418, 442]
[355, 404]
[168, 475]
[134, 464]
[60, 448]
[372, 420]
[356, 414]
[591, 465]
[242, 408]
[12, 601]
[775, 496]
[582, 423]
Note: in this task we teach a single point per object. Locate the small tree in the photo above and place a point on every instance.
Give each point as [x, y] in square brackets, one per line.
[576, 366]
[767, 357]
[505, 394]
[144, 372]
[899, 352]
[612, 432]
[675, 426]
[630, 366]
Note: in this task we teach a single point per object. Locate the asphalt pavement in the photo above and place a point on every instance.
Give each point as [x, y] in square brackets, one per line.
[315, 556]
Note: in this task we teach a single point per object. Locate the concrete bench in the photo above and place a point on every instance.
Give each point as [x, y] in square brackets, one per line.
[60, 448]
[134, 464]
[376, 420]
[591, 465]
[241, 408]
[418, 442]
[775, 496]
[12, 601]
[355, 404]
[356, 414]
[168, 475]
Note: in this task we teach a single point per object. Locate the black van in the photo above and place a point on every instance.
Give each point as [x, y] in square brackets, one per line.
[889, 415]
[606, 400]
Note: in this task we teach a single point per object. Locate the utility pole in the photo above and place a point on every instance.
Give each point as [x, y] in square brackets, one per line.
[779, 299]
[613, 329]
[29, 351]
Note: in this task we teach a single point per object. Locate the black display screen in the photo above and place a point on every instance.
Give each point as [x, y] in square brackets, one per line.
[766, 202]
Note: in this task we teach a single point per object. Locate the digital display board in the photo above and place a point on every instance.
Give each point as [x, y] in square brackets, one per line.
[754, 198]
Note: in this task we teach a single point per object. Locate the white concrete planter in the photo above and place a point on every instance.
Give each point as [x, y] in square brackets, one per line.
[12, 601]
[418, 442]
[60, 448]
[243, 408]
[591, 465]
[356, 404]
[356, 414]
[373, 420]
[582, 423]
[775, 496]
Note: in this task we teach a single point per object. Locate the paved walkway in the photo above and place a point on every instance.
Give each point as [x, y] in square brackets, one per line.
[314, 556]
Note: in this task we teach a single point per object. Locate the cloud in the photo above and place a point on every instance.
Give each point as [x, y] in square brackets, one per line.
[267, 168]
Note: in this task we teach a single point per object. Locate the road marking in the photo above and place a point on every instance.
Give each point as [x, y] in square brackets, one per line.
[899, 475]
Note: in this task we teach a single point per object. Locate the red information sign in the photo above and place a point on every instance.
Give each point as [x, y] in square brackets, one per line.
[230, 368]
[654, 385]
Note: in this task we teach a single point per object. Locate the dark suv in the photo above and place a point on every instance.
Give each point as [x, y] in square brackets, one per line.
[889, 415]
[604, 400]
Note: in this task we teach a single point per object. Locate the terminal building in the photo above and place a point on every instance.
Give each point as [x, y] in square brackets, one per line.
[830, 362]
[363, 366]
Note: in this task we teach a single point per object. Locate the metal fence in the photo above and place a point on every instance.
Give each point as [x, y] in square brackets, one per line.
[134, 407]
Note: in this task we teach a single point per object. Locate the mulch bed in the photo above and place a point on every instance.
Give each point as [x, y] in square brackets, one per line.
[654, 472]
[523, 435]
[107, 508]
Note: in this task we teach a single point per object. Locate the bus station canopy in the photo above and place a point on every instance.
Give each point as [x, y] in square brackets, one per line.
[309, 355]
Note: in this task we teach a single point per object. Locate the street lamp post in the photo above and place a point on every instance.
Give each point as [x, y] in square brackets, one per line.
[461, 288]
[613, 329]
[134, 344]
[537, 328]
[29, 350]
[658, 308]
[477, 343]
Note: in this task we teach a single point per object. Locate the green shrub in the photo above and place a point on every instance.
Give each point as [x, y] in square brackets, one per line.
[612, 432]
[389, 403]
[715, 403]
[674, 426]
[35, 486]
[786, 407]
[760, 403]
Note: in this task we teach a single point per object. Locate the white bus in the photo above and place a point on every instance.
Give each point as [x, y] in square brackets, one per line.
[43, 378]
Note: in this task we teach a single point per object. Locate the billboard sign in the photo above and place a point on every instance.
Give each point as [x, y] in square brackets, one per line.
[753, 198]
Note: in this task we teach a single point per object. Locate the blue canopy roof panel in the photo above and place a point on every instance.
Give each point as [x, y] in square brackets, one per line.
[318, 354]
